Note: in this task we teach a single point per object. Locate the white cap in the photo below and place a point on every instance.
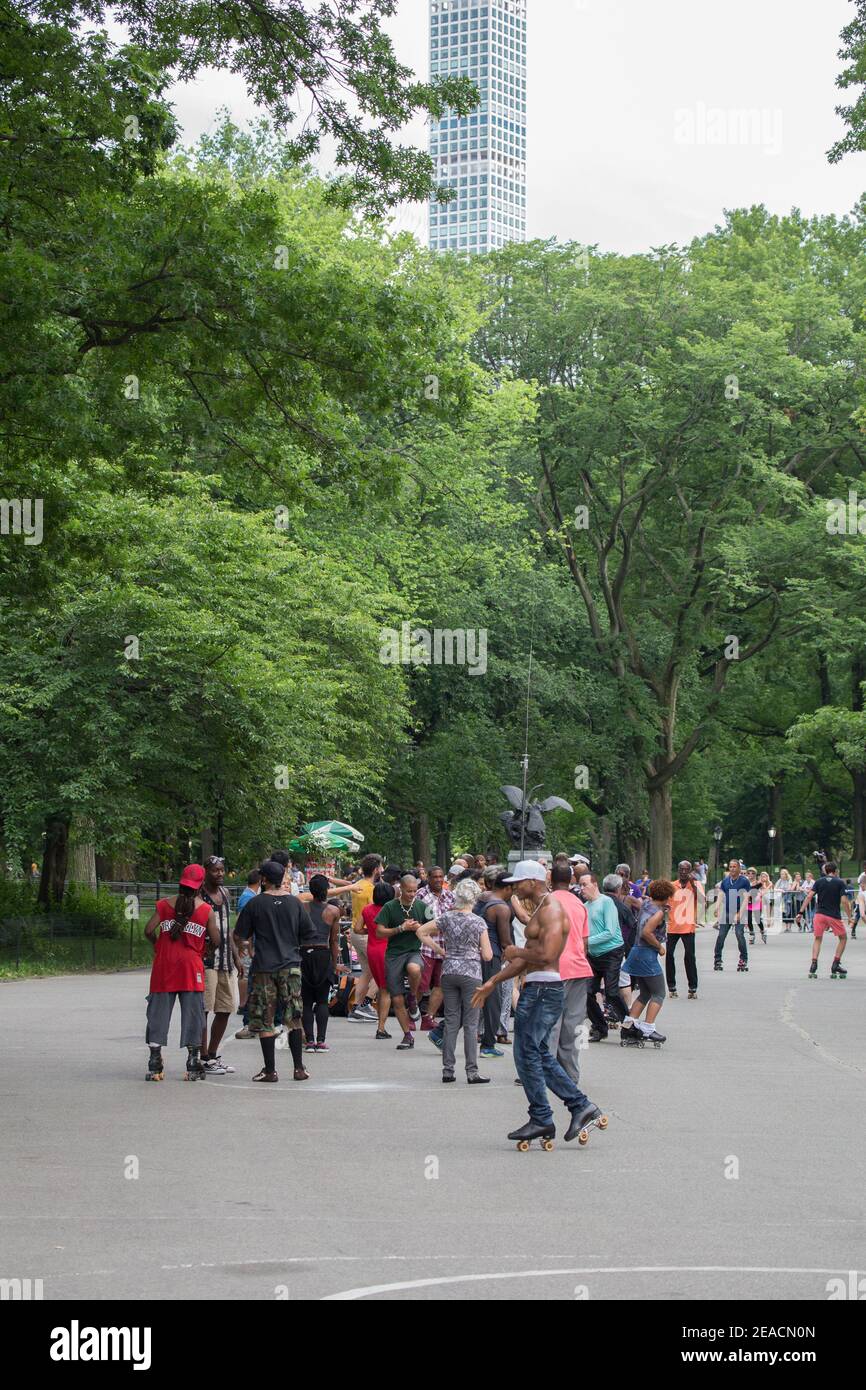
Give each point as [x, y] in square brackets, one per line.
[578, 859]
[456, 869]
[528, 868]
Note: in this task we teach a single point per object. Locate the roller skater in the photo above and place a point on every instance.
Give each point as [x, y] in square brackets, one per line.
[180, 929]
[730, 906]
[541, 1002]
[643, 964]
[830, 899]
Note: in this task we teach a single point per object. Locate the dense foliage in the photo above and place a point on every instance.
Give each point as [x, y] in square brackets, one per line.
[265, 434]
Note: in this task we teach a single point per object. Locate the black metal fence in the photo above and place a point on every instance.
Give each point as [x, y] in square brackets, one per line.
[49, 943]
[147, 894]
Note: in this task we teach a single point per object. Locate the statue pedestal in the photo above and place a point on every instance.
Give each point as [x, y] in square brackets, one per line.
[543, 856]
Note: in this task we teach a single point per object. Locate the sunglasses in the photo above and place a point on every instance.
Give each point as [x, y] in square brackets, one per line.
[214, 859]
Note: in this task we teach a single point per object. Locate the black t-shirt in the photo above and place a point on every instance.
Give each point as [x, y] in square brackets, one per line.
[280, 925]
[829, 893]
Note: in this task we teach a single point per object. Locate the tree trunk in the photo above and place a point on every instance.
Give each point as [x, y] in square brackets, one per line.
[420, 827]
[601, 840]
[661, 846]
[207, 848]
[117, 868]
[55, 856]
[443, 844]
[82, 855]
[859, 810]
[635, 854]
[858, 675]
[824, 679]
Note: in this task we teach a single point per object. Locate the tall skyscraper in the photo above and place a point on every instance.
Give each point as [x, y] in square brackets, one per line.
[481, 156]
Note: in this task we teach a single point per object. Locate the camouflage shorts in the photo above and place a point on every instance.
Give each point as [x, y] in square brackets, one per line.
[280, 987]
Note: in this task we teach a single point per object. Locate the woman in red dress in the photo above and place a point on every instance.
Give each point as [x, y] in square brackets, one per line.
[376, 948]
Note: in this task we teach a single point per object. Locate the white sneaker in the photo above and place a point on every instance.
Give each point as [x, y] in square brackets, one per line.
[368, 1011]
[215, 1067]
[359, 1016]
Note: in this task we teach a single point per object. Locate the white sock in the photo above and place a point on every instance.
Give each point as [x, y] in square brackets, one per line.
[644, 1027]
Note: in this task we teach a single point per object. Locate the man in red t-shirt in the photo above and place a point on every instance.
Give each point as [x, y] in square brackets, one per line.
[566, 1037]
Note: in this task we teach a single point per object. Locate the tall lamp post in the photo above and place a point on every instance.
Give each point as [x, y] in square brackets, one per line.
[717, 836]
[772, 834]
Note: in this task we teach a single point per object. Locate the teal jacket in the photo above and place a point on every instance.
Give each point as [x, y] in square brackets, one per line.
[604, 929]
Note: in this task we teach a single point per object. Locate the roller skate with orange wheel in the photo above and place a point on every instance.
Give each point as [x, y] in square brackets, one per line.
[528, 1133]
[582, 1121]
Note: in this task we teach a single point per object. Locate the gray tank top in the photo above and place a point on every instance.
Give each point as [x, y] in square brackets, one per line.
[323, 931]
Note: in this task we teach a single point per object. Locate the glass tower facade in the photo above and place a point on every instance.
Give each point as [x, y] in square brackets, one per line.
[482, 157]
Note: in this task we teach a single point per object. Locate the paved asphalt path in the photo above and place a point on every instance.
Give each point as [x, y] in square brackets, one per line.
[325, 1188]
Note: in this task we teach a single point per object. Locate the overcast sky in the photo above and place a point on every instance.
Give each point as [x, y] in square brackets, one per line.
[634, 136]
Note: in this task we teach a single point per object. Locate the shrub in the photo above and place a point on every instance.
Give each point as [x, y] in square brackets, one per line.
[92, 913]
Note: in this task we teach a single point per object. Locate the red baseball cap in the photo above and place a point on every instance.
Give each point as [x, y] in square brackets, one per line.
[192, 876]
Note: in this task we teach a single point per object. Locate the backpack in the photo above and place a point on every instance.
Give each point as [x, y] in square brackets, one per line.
[342, 997]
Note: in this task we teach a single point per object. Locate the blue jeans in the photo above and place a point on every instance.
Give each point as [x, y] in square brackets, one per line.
[539, 1008]
[724, 928]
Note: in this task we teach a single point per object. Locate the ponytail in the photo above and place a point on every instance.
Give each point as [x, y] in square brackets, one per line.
[184, 907]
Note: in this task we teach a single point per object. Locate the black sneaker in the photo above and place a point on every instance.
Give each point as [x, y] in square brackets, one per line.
[717, 965]
[380, 1033]
[477, 1080]
[448, 1076]
[407, 1044]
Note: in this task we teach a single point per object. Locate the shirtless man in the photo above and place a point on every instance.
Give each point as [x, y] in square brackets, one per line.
[540, 1006]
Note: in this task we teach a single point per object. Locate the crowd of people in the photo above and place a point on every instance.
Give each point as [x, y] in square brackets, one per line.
[458, 955]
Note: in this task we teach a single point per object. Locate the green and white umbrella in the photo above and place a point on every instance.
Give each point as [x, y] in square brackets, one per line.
[333, 827]
[322, 836]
